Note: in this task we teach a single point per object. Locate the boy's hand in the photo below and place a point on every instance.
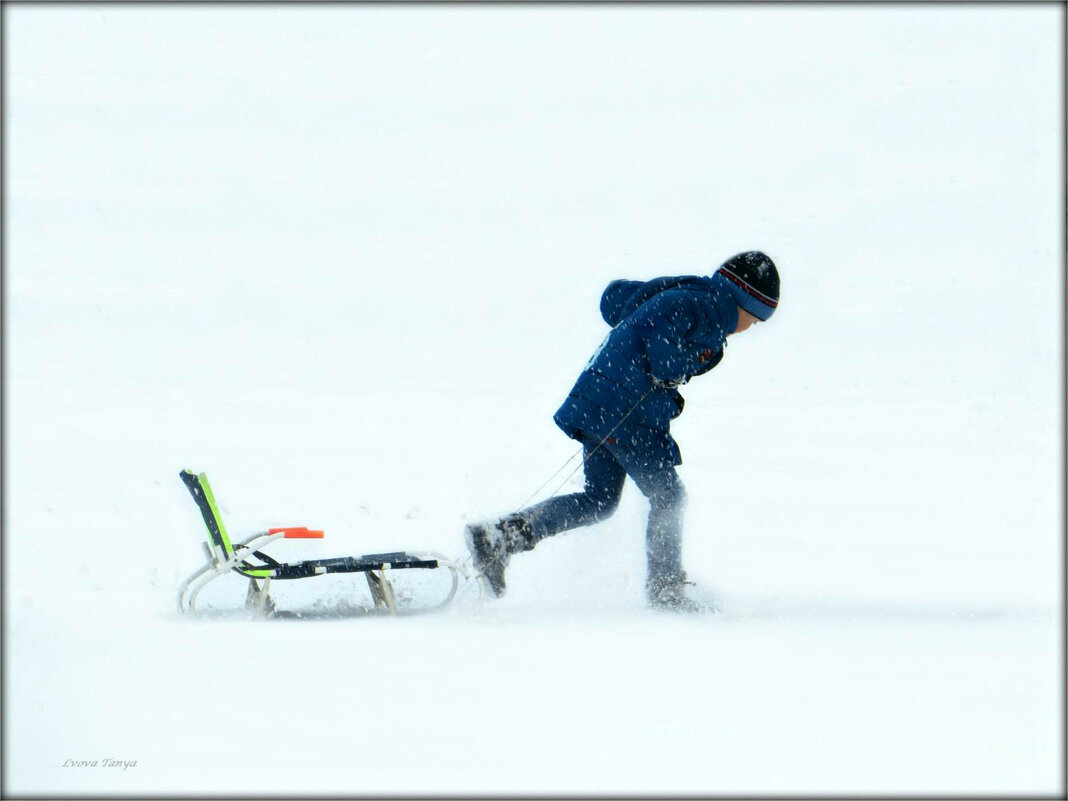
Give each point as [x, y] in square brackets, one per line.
[662, 383]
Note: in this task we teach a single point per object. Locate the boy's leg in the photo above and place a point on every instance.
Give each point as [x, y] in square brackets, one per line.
[599, 499]
[492, 544]
[659, 482]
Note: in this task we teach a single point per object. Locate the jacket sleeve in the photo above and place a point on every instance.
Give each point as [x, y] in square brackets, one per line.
[664, 325]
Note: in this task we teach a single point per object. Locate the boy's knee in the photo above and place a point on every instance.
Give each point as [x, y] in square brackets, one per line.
[602, 498]
[605, 506]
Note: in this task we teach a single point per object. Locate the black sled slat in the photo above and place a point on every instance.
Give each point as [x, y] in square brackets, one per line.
[351, 564]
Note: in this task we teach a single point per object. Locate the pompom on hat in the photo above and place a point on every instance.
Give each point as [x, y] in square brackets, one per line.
[755, 281]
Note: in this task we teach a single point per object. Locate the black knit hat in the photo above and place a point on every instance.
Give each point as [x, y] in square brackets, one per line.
[755, 282]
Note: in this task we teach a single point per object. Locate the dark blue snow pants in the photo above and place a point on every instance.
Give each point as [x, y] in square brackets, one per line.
[607, 467]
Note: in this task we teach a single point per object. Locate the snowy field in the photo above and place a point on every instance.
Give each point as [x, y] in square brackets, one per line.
[347, 260]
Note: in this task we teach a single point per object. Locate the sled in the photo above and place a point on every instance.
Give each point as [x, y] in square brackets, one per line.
[224, 558]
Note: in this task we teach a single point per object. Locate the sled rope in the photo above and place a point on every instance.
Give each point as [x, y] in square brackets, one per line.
[559, 470]
[582, 464]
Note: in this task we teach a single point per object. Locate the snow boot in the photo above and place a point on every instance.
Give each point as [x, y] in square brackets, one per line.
[492, 545]
[668, 594]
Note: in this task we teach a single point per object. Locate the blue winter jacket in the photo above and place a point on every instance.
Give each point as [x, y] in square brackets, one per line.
[672, 328]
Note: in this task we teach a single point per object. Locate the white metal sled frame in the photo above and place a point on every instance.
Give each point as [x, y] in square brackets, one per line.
[224, 557]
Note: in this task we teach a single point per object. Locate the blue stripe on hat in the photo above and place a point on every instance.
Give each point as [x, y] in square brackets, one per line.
[750, 302]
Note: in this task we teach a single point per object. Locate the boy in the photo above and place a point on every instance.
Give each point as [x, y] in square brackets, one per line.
[664, 332]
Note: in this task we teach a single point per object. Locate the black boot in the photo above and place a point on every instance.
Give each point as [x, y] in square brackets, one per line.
[668, 593]
[492, 545]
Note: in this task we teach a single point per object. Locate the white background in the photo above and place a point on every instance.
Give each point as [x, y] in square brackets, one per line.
[347, 259]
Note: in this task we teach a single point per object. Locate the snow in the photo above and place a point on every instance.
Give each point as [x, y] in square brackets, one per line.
[347, 259]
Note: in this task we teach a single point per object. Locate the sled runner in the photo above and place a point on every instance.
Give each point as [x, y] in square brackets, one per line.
[225, 557]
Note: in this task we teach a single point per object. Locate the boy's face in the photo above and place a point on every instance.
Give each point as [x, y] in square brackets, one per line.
[745, 319]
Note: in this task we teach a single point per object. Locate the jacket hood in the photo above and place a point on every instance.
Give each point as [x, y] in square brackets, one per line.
[622, 298]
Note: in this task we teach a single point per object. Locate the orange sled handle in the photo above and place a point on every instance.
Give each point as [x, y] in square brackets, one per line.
[297, 533]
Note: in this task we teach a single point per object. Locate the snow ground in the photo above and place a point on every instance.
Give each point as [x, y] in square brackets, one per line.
[347, 260]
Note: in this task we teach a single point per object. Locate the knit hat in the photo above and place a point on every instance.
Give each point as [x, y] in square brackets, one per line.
[755, 281]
